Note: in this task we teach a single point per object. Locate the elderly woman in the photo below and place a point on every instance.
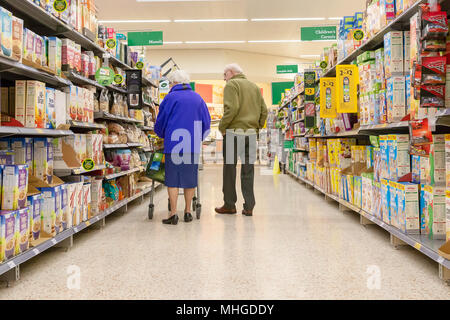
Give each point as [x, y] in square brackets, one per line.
[183, 122]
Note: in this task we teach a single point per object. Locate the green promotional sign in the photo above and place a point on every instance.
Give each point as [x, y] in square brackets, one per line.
[283, 69]
[358, 35]
[105, 76]
[118, 79]
[318, 33]
[154, 38]
[60, 5]
[88, 165]
[111, 43]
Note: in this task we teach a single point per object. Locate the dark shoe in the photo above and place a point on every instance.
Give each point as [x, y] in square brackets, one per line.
[224, 210]
[247, 213]
[188, 217]
[172, 220]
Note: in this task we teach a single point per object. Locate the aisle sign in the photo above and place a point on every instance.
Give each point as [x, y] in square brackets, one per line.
[347, 78]
[154, 38]
[283, 69]
[328, 98]
[318, 33]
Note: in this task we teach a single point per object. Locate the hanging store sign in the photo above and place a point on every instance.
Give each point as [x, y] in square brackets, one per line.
[154, 38]
[328, 98]
[284, 69]
[347, 78]
[310, 98]
[318, 33]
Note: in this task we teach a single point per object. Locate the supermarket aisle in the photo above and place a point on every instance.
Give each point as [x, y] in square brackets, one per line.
[309, 250]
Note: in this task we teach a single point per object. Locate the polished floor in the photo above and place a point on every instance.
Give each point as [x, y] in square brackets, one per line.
[297, 246]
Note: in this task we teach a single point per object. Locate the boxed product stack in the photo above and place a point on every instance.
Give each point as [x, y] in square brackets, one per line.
[346, 43]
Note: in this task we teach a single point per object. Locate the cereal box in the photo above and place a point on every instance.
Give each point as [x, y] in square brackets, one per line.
[6, 37]
[23, 152]
[72, 103]
[393, 218]
[17, 39]
[22, 230]
[54, 55]
[385, 201]
[20, 101]
[50, 108]
[77, 219]
[384, 157]
[447, 162]
[433, 212]
[447, 215]
[39, 50]
[399, 158]
[377, 201]
[435, 169]
[86, 201]
[40, 163]
[406, 51]
[36, 214]
[80, 104]
[408, 207]
[50, 211]
[35, 105]
[29, 44]
[72, 203]
[8, 237]
[393, 53]
[50, 165]
[64, 206]
[395, 99]
[2, 238]
[15, 187]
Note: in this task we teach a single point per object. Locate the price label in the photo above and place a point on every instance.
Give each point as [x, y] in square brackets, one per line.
[418, 246]
[75, 229]
[440, 260]
[54, 241]
[87, 223]
[36, 252]
[11, 264]
[309, 91]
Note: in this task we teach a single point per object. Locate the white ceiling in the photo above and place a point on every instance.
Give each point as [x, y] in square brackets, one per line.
[230, 31]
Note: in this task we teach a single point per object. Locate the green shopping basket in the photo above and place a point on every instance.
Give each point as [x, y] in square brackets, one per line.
[156, 169]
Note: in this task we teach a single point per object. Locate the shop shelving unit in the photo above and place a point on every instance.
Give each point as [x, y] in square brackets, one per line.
[421, 243]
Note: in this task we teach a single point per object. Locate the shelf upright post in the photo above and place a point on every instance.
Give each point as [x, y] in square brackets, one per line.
[10, 276]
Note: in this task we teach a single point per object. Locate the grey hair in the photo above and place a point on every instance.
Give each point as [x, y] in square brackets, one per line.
[234, 67]
[179, 76]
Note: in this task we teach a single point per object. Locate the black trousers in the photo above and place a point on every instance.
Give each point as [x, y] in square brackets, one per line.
[245, 149]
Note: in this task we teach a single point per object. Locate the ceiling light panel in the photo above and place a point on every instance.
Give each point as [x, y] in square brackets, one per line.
[211, 20]
[135, 21]
[287, 19]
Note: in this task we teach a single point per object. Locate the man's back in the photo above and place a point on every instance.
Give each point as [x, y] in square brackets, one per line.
[244, 106]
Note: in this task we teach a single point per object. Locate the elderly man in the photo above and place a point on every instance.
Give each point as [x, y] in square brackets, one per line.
[245, 112]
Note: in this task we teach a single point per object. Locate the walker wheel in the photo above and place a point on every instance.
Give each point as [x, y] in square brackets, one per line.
[151, 209]
[198, 211]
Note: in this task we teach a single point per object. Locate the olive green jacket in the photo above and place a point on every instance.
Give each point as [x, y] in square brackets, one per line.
[244, 106]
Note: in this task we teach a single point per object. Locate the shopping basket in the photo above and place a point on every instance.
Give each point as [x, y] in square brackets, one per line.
[156, 171]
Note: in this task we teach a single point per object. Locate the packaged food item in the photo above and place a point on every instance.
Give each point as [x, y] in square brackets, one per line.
[40, 163]
[6, 36]
[35, 105]
[67, 54]
[393, 53]
[434, 25]
[23, 152]
[432, 96]
[72, 102]
[64, 207]
[22, 230]
[61, 110]
[8, 234]
[395, 99]
[29, 44]
[39, 50]
[86, 201]
[433, 212]
[15, 187]
[17, 39]
[408, 207]
[20, 101]
[104, 101]
[80, 103]
[50, 165]
[399, 158]
[35, 204]
[50, 108]
[49, 211]
[54, 55]
[96, 197]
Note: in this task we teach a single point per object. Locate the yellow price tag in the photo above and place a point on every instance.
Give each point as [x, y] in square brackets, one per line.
[88, 223]
[418, 246]
[309, 91]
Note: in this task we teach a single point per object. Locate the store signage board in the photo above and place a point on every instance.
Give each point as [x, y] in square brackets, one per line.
[284, 69]
[318, 33]
[121, 36]
[153, 38]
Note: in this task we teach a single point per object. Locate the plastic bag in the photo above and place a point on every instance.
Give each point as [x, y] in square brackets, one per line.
[104, 101]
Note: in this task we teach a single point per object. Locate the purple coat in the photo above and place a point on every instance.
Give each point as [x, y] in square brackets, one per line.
[183, 120]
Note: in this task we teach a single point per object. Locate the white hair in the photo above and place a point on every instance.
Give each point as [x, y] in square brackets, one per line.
[179, 76]
[234, 67]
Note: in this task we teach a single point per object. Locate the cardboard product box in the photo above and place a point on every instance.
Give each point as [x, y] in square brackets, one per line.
[29, 38]
[55, 55]
[406, 51]
[6, 157]
[395, 98]
[77, 57]
[72, 203]
[384, 157]
[357, 191]
[447, 160]
[408, 207]
[50, 211]
[78, 218]
[86, 201]
[61, 109]
[14, 187]
[45, 52]
[447, 86]
[39, 50]
[80, 103]
[433, 212]
[72, 102]
[408, 91]
[377, 201]
[20, 101]
[17, 39]
[447, 215]
[6, 35]
[393, 196]
[22, 230]
[399, 157]
[385, 201]
[96, 197]
[23, 152]
[393, 53]
[35, 105]
[376, 164]
[415, 169]
[35, 204]
[8, 229]
[64, 207]
[40, 163]
[367, 192]
[82, 147]
[50, 108]
[67, 54]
